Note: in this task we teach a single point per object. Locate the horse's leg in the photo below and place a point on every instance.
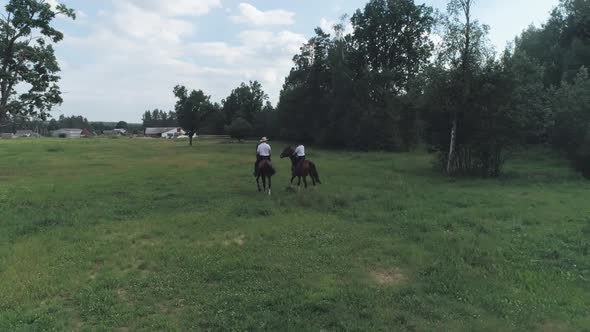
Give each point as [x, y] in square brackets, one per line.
[258, 182]
[305, 181]
[264, 182]
[293, 178]
[269, 185]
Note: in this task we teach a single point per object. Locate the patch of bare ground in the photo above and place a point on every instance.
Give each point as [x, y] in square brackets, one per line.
[239, 241]
[388, 277]
[554, 327]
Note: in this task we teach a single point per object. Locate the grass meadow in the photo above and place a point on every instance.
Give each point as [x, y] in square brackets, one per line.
[134, 234]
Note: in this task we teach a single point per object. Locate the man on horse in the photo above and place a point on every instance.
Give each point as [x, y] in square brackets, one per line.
[263, 152]
[299, 154]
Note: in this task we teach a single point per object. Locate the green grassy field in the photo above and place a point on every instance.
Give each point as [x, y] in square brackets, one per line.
[131, 234]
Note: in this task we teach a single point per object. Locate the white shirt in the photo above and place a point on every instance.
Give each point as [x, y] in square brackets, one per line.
[263, 150]
[300, 151]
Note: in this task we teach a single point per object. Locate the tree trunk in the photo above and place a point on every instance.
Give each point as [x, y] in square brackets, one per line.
[190, 139]
[451, 155]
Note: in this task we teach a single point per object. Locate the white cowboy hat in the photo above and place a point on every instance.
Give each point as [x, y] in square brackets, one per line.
[263, 140]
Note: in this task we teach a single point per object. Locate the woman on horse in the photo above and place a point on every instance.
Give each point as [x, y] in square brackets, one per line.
[263, 152]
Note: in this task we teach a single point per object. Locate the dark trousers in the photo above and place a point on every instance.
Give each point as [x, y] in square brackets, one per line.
[258, 159]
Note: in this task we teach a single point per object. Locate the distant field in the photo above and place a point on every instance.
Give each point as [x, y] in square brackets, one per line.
[129, 234]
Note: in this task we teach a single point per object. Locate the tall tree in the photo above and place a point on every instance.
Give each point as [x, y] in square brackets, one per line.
[244, 101]
[190, 109]
[27, 58]
[464, 6]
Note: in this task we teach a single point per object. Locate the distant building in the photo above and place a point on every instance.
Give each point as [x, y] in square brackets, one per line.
[114, 132]
[170, 132]
[67, 133]
[174, 133]
[26, 133]
[7, 135]
[110, 133]
[86, 133]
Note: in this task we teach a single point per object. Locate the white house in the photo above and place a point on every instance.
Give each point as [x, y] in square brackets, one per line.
[67, 133]
[170, 132]
[174, 133]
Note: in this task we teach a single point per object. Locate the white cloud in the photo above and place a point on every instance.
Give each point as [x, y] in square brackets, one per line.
[261, 55]
[251, 15]
[149, 26]
[134, 55]
[177, 7]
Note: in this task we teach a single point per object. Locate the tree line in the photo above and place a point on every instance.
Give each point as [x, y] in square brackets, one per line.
[389, 86]
[45, 127]
[405, 75]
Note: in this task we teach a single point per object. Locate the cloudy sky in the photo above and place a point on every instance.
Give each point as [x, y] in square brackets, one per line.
[122, 57]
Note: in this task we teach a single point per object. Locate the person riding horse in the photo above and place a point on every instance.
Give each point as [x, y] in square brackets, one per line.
[301, 167]
[263, 152]
[299, 154]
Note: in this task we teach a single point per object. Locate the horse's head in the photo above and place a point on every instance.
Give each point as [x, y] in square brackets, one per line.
[288, 152]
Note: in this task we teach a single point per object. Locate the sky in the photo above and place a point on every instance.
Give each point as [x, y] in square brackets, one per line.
[120, 58]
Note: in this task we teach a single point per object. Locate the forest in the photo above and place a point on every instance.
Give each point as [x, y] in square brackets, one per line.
[408, 75]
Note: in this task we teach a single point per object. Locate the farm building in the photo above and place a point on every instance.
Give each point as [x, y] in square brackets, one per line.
[170, 132]
[86, 133]
[174, 133]
[7, 135]
[115, 132]
[67, 133]
[26, 133]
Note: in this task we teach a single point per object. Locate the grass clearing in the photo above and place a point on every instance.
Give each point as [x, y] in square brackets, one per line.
[133, 234]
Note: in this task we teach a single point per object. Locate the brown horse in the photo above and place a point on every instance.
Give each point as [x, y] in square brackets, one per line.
[302, 169]
[265, 171]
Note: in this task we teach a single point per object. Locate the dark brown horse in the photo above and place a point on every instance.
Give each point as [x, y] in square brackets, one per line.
[301, 169]
[265, 171]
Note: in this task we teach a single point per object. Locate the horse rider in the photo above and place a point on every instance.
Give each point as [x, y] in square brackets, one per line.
[299, 154]
[263, 152]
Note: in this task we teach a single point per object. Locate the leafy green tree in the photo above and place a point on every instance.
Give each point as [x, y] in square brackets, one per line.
[464, 45]
[190, 109]
[239, 129]
[159, 118]
[213, 121]
[389, 34]
[147, 119]
[27, 58]
[562, 44]
[571, 130]
[121, 125]
[53, 125]
[244, 101]
[78, 122]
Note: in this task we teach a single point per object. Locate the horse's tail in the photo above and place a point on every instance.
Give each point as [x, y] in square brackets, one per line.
[313, 171]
